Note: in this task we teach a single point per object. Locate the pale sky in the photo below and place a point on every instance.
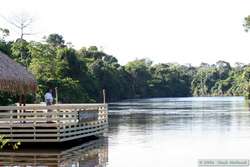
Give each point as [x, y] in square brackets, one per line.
[182, 31]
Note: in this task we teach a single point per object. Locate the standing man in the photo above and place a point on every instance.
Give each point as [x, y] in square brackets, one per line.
[49, 101]
[48, 97]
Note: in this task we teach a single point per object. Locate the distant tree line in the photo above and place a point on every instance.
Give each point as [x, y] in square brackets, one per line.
[80, 75]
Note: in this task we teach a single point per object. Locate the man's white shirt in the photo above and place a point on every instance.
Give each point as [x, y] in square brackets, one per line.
[48, 97]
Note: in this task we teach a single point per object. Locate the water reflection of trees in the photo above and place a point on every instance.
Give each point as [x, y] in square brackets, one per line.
[218, 114]
[88, 154]
[148, 122]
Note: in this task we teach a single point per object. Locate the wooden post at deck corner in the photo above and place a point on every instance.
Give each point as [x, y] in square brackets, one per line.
[56, 91]
[104, 96]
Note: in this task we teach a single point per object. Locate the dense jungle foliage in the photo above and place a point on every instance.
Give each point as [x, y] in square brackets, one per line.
[80, 75]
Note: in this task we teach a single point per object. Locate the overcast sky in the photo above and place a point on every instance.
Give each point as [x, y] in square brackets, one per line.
[183, 31]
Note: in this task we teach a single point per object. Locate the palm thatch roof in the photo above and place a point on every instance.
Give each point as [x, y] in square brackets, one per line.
[15, 78]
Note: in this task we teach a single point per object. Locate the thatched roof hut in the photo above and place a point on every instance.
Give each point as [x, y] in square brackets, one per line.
[15, 78]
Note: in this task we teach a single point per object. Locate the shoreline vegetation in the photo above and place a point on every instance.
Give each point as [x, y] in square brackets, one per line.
[80, 75]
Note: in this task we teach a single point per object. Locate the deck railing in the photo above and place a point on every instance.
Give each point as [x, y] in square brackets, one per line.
[55, 123]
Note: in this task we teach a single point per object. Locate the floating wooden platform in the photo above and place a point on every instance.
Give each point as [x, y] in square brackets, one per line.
[56, 123]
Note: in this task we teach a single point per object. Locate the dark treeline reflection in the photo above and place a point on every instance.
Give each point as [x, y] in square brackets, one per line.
[80, 75]
[180, 114]
[88, 154]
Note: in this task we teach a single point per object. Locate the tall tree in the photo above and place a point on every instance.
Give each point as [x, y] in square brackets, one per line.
[22, 22]
[55, 40]
[246, 24]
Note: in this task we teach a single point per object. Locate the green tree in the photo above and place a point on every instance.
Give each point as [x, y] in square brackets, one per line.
[4, 33]
[20, 52]
[140, 76]
[55, 40]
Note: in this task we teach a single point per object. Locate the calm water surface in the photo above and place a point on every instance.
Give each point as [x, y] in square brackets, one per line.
[161, 132]
[178, 131]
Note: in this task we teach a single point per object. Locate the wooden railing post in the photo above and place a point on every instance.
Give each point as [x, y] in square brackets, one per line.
[11, 123]
[34, 122]
[104, 95]
[56, 90]
[58, 124]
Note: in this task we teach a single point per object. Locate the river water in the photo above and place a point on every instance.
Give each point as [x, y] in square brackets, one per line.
[159, 132]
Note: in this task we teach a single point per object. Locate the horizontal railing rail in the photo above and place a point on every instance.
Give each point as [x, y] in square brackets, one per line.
[53, 107]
